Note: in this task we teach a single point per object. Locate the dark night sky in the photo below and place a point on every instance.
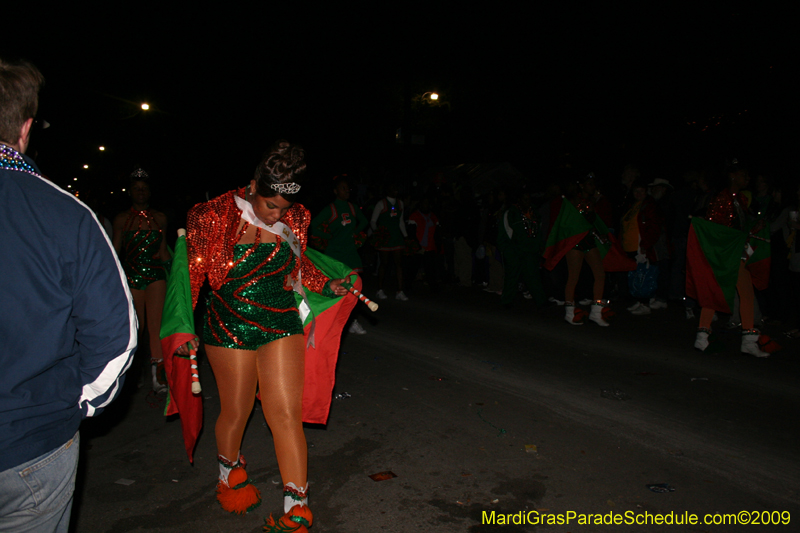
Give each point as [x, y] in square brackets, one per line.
[524, 86]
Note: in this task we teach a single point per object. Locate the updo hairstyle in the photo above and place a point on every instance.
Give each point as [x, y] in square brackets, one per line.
[283, 162]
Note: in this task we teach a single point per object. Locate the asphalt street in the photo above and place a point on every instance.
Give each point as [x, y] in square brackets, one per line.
[484, 415]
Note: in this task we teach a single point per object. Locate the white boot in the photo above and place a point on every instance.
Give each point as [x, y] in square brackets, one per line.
[596, 315]
[157, 386]
[569, 315]
[750, 343]
[294, 495]
[226, 465]
[701, 342]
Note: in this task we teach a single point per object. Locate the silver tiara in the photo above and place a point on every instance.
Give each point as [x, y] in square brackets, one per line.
[286, 188]
[139, 173]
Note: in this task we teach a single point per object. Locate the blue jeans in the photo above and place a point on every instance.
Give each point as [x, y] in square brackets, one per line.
[37, 496]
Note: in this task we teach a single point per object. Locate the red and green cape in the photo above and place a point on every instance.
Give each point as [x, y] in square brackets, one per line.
[177, 328]
[713, 253]
[331, 315]
[570, 227]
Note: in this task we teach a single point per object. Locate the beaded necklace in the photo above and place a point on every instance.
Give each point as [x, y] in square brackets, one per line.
[10, 159]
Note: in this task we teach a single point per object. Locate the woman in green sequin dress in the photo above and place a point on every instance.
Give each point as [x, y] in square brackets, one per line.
[139, 242]
[252, 330]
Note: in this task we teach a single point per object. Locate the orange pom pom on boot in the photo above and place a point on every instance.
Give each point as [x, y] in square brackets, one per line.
[235, 492]
[297, 516]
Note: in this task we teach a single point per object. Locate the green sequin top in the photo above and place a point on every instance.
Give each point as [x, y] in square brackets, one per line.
[252, 308]
[141, 262]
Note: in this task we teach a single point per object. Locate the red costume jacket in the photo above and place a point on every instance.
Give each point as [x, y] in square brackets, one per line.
[722, 209]
[212, 231]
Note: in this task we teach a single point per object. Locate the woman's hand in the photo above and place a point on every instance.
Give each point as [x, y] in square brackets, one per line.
[338, 288]
[183, 349]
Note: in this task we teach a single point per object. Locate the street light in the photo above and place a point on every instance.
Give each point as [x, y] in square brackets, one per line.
[102, 148]
[145, 107]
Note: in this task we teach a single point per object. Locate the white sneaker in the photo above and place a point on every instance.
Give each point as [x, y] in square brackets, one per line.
[657, 304]
[637, 305]
[641, 310]
[400, 296]
[527, 295]
[586, 301]
[380, 295]
[357, 329]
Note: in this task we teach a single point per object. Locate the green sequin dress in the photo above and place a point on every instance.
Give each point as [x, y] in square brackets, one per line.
[252, 308]
[141, 262]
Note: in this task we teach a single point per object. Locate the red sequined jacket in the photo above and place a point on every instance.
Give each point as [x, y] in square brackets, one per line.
[722, 209]
[212, 231]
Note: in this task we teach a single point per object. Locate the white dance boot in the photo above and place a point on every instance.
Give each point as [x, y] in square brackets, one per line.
[701, 341]
[569, 314]
[750, 343]
[154, 368]
[294, 495]
[596, 315]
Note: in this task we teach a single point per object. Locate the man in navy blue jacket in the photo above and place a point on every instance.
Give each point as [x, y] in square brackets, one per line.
[67, 323]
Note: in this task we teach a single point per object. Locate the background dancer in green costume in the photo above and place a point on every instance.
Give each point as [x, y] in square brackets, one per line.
[389, 238]
[340, 225]
[139, 242]
[339, 232]
[520, 240]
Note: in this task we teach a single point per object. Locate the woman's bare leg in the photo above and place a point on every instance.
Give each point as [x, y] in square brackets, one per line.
[744, 284]
[236, 374]
[574, 263]
[281, 372]
[595, 262]
[398, 264]
[154, 296]
[706, 317]
[139, 303]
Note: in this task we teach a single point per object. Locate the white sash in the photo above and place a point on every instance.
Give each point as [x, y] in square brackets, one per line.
[284, 232]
